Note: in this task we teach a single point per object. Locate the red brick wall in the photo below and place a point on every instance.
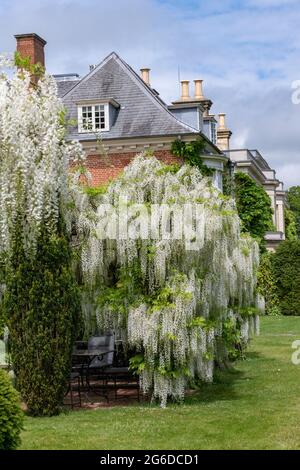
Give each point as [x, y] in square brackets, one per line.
[102, 168]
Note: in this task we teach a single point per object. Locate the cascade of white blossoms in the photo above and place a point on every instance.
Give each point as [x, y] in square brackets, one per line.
[191, 288]
[34, 156]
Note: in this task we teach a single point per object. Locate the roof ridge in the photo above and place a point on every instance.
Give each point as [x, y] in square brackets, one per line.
[91, 72]
[157, 100]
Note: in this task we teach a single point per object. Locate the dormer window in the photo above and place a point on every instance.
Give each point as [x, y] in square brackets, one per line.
[93, 117]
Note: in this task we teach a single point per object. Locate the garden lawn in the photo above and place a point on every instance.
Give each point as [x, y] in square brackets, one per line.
[256, 406]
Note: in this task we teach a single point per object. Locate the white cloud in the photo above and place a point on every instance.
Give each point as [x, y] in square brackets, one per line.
[247, 57]
[290, 173]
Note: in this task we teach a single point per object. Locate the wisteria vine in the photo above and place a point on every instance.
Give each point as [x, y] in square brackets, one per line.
[172, 304]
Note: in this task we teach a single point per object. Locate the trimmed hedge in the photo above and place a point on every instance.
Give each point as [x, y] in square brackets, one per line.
[11, 415]
[42, 309]
[290, 225]
[266, 284]
[286, 263]
[293, 196]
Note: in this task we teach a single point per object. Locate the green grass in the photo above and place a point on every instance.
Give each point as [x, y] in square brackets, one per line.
[256, 406]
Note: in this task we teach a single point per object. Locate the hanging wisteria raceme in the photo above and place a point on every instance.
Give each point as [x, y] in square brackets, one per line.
[34, 156]
[162, 249]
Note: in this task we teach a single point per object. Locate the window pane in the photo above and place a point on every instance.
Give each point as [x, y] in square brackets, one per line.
[92, 117]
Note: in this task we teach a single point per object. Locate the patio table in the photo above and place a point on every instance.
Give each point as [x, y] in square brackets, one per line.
[90, 353]
[87, 356]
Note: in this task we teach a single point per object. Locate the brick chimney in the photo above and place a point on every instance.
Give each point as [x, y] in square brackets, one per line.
[31, 45]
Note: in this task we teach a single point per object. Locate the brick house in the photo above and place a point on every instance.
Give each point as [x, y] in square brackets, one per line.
[116, 103]
[113, 101]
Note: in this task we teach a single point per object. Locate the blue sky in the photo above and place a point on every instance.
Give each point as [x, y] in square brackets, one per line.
[247, 52]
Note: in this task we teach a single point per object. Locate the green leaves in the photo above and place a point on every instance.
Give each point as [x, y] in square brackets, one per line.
[42, 308]
[198, 322]
[191, 153]
[125, 291]
[11, 415]
[248, 311]
[162, 299]
[137, 363]
[290, 221]
[293, 197]
[286, 265]
[232, 339]
[266, 284]
[24, 63]
[94, 191]
[254, 206]
[172, 168]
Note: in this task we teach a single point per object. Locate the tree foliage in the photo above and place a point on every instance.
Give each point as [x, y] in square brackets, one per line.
[293, 197]
[266, 284]
[286, 264]
[41, 304]
[253, 205]
[290, 225]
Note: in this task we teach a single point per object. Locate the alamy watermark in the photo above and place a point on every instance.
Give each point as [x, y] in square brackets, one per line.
[296, 353]
[296, 92]
[132, 221]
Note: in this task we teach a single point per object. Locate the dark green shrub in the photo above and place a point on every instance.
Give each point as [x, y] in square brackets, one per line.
[293, 197]
[11, 415]
[290, 225]
[2, 281]
[253, 205]
[266, 284]
[286, 262]
[42, 310]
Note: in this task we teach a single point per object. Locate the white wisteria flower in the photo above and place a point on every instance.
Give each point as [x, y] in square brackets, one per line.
[34, 157]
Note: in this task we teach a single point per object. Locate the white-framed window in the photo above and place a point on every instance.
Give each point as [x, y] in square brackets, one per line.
[213, 132]
[93, 118]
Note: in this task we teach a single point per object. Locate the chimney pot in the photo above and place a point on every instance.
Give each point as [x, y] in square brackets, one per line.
[222, 124]
[198, 89]
[31, 45]
[145, 74]
[185, 92]
[223, 134]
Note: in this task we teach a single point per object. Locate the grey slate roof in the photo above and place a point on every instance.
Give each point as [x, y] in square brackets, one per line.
[141, 112]
[64, 86]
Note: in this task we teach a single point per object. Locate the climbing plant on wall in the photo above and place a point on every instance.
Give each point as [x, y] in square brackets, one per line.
[182, 303]
[192, 153]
